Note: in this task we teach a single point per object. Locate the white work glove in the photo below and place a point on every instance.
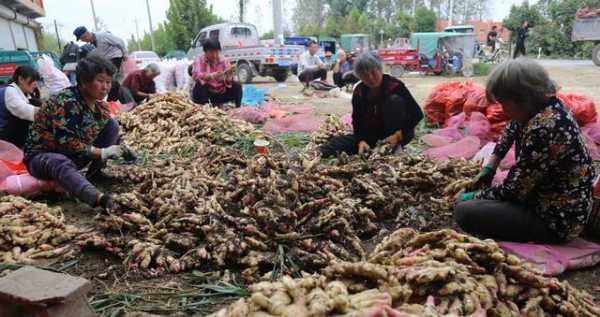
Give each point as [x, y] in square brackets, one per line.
[111, 153]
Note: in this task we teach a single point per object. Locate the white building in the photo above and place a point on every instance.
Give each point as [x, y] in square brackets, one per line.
[18, 30]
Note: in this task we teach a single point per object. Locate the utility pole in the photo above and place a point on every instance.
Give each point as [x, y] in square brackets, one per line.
[57, 36]
[151, 30]
[94, 16]
[277, 22]
[451, 12]
[137, 34]
[414, 7]
[241, 11]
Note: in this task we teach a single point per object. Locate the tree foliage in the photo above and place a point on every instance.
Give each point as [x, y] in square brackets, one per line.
[185, 18]
[48, 42]
[337, 17]
[551, 26]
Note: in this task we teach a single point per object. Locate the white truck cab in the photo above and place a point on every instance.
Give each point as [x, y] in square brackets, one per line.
[241, 45]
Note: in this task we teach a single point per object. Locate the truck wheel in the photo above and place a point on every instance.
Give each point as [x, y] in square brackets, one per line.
[244, 73]
[596, 54]
[397, 70]
[281, 76]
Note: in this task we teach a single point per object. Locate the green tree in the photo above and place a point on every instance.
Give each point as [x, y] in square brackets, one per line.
[425, 20]
[185, 18]
[518, 14]
[48, 42]
[267, 35]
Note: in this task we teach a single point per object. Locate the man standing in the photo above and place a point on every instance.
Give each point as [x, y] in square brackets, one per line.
[141, 82]
[491, 38]
[311, 66]
[522, 33]
[107, 45]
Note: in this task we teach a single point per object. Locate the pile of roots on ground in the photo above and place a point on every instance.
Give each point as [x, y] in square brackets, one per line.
[170, 124]
[440, 273]
[32, 231]
[223, 210]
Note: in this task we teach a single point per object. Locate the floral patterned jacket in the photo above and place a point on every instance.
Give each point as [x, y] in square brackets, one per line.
[553, 175]
[66, 125]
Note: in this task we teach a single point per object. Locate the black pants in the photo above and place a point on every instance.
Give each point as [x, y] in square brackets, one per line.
[338, 144]
[311, 74]
[15, 131]
[201, 95]
[519, 49]
[340, 80]
[502, 220]
[120, 93]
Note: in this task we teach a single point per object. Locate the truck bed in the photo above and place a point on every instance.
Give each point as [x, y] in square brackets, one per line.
[586, 29]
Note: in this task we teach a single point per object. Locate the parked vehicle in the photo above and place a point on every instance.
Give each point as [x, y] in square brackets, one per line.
[355, 43]
[460, 29]
[431, 53]
[588, 29]
[10, 60]
[240, 44]
[499, 55]
[176, 54]
[144, 58]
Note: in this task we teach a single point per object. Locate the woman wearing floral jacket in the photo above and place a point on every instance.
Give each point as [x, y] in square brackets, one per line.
[547, 195]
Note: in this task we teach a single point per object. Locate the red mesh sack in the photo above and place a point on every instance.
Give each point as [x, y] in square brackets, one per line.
[583, 108]
[475, 101]
[436, 105]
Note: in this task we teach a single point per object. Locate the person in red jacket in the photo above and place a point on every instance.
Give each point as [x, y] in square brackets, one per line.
[141, 82]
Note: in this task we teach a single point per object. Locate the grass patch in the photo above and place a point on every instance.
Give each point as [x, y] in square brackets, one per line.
[293, 140]
[483, 69]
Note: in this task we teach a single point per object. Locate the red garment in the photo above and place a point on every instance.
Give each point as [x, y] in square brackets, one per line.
[201, 68]
[137, 82]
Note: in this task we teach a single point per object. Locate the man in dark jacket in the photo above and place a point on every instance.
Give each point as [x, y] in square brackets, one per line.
[382, 110]
[522, 34]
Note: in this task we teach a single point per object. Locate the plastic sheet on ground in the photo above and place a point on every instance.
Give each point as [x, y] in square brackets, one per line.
[434, 140]
[14, 178]
[465, 148]
[249, 114]
[253, 96]
[555, 259]
[304, 122]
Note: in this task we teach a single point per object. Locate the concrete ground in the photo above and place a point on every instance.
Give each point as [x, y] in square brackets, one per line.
[580, 77]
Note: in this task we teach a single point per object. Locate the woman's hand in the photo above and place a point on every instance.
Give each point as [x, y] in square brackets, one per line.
[484, 178]
[363, 147]
[395, 138]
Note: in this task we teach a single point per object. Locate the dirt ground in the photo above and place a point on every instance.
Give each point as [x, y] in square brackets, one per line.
[111, 282]
[579, 77]
[571, 76]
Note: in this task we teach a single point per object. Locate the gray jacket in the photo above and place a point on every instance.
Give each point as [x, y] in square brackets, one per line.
[109, 46]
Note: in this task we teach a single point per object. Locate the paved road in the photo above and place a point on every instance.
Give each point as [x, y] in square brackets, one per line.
[565, 62]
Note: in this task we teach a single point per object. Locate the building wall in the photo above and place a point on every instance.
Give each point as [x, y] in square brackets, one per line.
[18, 33]
[16, 36]
[481, 29]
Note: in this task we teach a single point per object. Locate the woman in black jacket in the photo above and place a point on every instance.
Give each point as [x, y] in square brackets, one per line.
[382, 110]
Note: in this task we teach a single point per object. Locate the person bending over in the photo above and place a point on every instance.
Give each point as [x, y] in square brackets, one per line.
[547, 195]
[382, 110]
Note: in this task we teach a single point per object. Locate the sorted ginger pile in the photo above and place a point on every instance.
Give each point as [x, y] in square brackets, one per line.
[171, 124]
[30, 231]
[441, 273]
[221, 209]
